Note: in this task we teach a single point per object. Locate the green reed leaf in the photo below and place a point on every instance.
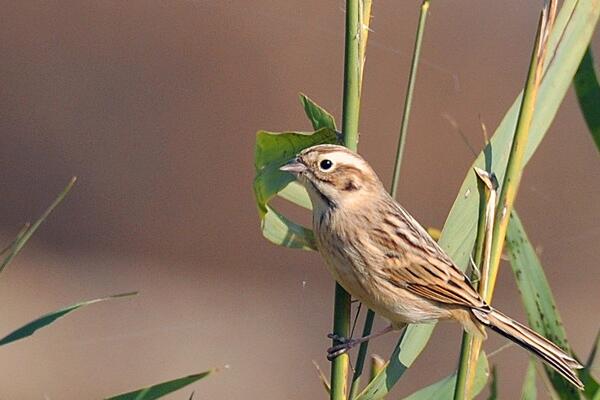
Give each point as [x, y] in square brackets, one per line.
[587, 90]
[161, 389]
[444, 389]
[572, 32]
[273, 149]
[529, 391]
[318, 116]
[537, 298]
[25, 234]
[47, 319]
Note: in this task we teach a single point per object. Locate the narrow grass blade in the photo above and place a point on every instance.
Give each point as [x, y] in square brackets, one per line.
[322, 378]
[529, 391]
[572, 31]
[588, 94]
[26, 234]
[412, 78]
[444, 389]
[161, 389]
[20, 235]
[537, 298]
[45, 320]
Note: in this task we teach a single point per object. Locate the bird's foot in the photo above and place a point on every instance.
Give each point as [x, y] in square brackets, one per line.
[342, 345]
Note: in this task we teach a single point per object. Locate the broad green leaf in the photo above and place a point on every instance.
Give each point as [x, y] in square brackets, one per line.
[280, 230]
[30, 328]
[572, 31]
[588, 94]
[295, 193]
[161, 389]
[529, 391]
[537, 298]
[444, 389]
[318, 116]
[26, 234]
[272, 151]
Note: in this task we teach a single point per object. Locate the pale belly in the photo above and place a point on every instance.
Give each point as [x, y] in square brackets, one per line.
[362, 281]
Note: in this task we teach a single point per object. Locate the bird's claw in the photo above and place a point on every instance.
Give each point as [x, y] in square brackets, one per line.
[343, 346]
[337, 338]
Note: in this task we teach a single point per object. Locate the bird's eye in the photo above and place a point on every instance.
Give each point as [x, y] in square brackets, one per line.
[325, 165]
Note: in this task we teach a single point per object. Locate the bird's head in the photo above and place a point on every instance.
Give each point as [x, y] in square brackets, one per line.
[333, 174]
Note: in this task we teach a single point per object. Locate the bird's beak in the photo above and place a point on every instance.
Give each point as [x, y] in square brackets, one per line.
[295, 167]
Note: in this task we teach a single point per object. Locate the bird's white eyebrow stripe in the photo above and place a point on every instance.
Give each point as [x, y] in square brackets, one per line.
[342, 157]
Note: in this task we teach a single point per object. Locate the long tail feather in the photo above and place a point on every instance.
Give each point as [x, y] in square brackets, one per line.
[563, 363]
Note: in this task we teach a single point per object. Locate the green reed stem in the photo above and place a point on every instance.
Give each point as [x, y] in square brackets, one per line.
[351, 106]
[409, 95]
[464, 365]
[341, 327]
[514, 168]
[362, 354]
[368, 326]
[28, 231]
[514, 171]
[352, 75]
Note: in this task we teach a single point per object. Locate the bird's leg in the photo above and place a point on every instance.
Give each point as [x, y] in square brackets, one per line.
[345, 344]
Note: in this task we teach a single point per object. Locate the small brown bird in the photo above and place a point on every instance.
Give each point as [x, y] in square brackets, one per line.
[381, 255]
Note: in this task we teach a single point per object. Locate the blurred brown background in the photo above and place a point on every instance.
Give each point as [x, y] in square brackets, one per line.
[154, 105]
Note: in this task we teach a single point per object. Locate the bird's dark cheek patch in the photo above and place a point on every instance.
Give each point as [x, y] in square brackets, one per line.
[350, 186]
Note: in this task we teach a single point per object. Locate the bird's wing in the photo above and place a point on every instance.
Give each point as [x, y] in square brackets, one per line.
[435, 280]
[414, 261]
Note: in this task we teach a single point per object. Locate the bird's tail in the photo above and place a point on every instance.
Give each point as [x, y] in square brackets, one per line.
[563, 363]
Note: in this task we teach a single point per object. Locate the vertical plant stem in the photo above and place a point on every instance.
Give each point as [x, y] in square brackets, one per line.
[368, 326]
[469, 352]
[362, 354]
[352, 74]
[409, 95]
[514, 170]
[472, 345]
[377, 365]
[351, 105]
[341, 327]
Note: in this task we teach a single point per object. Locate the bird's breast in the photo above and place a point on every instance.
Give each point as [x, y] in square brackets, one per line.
[343, 251]
[355, 261]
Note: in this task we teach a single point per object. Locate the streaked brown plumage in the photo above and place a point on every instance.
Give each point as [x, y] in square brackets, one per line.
[378, 252]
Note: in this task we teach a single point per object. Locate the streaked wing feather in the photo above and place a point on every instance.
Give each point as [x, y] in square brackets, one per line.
[436, 293]
[425, 269]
